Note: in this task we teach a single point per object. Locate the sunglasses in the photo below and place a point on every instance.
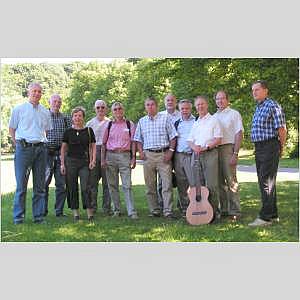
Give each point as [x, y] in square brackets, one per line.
[117, 108]
[98, 107]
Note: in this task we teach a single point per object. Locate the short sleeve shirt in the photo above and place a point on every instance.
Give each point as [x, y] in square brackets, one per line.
[78, 141]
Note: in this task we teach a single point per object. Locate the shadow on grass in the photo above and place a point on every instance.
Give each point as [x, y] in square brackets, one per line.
[145, 229]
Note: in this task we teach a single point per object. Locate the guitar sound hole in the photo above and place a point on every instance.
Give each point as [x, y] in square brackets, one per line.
[198, 198]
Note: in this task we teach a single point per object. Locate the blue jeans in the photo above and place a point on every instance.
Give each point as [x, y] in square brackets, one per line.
[27, 159]
[53, 168]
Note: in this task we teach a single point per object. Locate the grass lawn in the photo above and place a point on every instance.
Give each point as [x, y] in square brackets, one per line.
[145, 229]
[246, 157]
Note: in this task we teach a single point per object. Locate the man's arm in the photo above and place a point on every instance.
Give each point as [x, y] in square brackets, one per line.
[169, 153]
[237, 144]
[282, 138]
[12, 132]
[141, 150]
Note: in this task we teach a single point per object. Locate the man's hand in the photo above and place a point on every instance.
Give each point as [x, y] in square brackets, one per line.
[233, 160]
[168, 155]
[133, 163]
[62, 170]
[142, 155]
[103, 163]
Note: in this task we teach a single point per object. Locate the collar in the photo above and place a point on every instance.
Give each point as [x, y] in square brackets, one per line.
[205, 117]
[189, 119]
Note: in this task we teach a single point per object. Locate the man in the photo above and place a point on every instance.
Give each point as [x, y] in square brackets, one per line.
[99, 124]
[183, 154]
[205, 136]
[28, 126]
[170, 105]
[268, 133]
[60, 123]
[232, 126]
[118, 156]
[156, 138]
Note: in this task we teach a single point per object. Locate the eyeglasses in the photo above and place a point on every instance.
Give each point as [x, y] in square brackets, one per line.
[118, 108]
[98, 107]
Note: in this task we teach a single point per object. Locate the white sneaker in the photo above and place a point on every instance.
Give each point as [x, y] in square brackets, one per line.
[134, 216]
[259, 222]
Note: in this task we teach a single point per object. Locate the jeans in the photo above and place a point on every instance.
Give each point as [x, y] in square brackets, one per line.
[27, 159]
[53, 168]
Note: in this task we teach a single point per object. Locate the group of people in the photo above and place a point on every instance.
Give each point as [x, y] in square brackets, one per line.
[201, 150]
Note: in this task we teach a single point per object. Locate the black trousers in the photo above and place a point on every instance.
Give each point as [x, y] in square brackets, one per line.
[267, 159]
[77, 168]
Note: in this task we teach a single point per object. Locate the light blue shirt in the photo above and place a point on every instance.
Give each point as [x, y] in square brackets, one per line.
[183, 131]
[31, 122]
[156, 132]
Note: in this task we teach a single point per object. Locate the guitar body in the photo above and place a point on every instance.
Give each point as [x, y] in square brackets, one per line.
[199, 212]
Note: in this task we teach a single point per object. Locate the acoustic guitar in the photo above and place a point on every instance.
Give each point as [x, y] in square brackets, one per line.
[199, 212]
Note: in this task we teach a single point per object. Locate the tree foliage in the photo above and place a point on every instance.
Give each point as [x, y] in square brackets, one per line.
[134, 80]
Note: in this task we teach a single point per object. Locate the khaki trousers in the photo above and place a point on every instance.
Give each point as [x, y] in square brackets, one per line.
[206, 167]
[228, 185]
[154, 163]
[119, 163]
[184, 176]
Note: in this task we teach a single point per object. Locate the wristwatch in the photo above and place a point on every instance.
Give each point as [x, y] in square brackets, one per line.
[171, 149]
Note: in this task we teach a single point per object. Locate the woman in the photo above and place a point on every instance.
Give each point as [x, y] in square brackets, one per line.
[80, 144]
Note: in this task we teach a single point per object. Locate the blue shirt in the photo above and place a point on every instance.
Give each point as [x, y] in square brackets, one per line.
[183, 131]
[268, 117]
[156, 132]
[30, 122]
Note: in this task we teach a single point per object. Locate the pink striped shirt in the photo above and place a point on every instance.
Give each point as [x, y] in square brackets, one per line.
[119, 138]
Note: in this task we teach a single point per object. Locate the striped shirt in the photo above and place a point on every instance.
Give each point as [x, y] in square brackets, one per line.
[60, 123]
[155, 132]
[176, 115]
[267, 118]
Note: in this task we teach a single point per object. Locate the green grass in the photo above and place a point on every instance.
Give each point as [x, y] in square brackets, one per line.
[123, 229]
[246, 157]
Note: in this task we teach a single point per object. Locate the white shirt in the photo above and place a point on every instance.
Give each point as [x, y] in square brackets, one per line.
[176, 115]
[231, 122]
[98, 128]
[30, 122]
[204, 130]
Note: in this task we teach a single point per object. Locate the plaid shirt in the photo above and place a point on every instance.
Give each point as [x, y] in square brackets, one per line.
[268, 117]
[60, 123]
[156, 132]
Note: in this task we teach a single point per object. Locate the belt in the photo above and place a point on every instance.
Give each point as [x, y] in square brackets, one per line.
[158, 150]
[266, 141]
[185, 153]
[26, 144]
[118, 151]
[57, 148]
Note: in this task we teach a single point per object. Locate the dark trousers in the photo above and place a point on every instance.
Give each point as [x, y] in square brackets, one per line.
[267, 159]
[53, 168]
[77, 168]
[95, 175]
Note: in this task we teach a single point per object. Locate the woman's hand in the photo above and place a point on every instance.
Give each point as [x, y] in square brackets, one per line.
[63, 170]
